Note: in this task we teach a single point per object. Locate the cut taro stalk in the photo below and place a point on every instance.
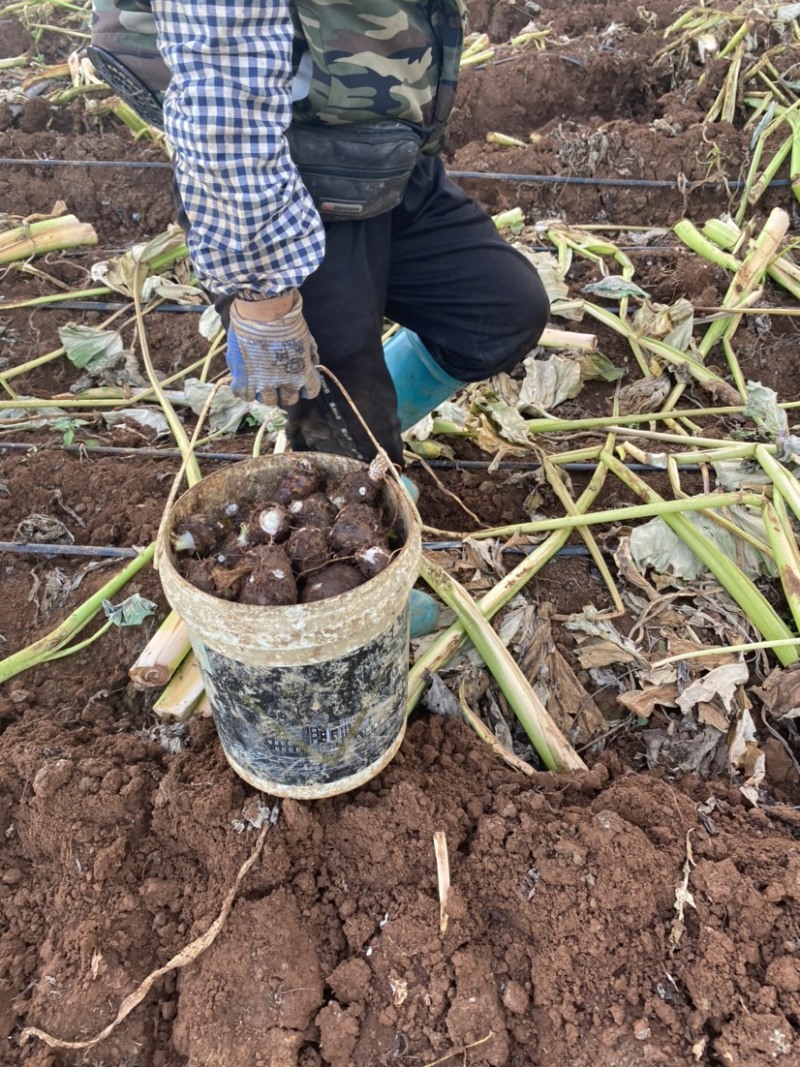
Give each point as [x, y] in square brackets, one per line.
[334, 580]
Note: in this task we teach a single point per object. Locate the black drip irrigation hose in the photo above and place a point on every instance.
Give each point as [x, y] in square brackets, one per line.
[30, 548]
[133, 164]
[120, 305]
[471, 175]
[236, 457]
[104, 305]
[616, 183]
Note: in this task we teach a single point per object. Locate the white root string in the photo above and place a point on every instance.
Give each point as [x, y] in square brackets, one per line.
[187, 955]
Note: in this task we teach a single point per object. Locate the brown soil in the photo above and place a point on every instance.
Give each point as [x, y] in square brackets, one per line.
[121, 836]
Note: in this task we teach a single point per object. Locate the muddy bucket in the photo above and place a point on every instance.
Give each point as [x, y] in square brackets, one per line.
[309, 700]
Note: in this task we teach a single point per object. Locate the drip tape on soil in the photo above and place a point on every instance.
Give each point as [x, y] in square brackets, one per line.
[236, 457]
[31, 548]
[471, 175]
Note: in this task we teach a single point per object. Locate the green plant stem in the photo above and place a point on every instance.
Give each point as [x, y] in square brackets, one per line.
[751, 646]
[47, 235]
[53, 298]
[785, 483]
[81, 644]
[554, 480]
[551, 745]
[41, 651]
[748, 277]
[176, 426]
[705, 246]
[442, 650]
[739, 587]
[670, 355]
[784, 548]
[655, 506]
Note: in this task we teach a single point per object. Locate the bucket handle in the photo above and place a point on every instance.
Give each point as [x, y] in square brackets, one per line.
[381, 463]
[163, 532]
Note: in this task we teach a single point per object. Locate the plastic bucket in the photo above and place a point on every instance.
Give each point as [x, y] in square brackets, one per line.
[309, 700]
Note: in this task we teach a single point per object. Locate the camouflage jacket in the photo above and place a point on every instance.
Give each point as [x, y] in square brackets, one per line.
[372, 59]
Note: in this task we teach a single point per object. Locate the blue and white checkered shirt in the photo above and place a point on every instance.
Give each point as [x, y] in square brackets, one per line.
[254, 228]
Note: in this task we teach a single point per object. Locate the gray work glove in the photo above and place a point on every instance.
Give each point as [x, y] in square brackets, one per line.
[273, 362]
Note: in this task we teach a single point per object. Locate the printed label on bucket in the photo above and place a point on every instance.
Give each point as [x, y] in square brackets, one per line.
[312, 724]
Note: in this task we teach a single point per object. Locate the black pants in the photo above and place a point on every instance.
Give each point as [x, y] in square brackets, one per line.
[435, 264]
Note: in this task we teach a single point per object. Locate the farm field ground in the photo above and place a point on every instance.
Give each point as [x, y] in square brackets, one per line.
[643, 911]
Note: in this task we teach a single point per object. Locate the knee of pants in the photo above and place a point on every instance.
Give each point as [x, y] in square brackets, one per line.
[515, 331]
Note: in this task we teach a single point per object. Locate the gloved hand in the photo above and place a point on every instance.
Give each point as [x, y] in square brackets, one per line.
[273, 362]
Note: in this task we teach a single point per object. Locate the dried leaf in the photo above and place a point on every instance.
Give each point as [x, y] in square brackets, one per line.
[157, 285]
[629, 571]
[597, 367]
[572, 707]
[549, 382]
[642, 702]
[557, 685]
[710, 715]
[510, 423]
[439, 700]
[120, 370]
[648, 394]
[719, 684]
[587, 622]
[485, 555]
[715, 657]
[120, 273]
[745, 757]
[654, 544]
[210, 323]
[546, 264]
[780, 693]
[683, 897]
[671, 323]
[141, 416]
[735, 474]
[598, 652]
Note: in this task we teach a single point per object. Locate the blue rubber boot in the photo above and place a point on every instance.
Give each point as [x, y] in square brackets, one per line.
[424, 609]
[410, 487]
[419, 381]
[424, 613]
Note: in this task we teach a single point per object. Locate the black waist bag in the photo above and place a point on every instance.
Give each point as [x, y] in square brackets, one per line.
[354, 171]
